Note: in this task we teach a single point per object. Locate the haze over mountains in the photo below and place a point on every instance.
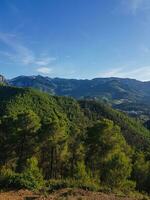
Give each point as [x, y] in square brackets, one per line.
[117, 90]
[129, 95]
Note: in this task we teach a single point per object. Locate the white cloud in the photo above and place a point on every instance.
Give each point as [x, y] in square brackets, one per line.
[44, 70]
[19, 53]
[140, 73]
[45, 60]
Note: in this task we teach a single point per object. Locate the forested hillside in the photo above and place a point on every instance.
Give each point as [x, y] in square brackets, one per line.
[117, 90]
[54, 142]
[129, 95]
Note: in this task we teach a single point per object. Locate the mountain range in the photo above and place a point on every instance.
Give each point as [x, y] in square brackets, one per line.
[115, 89]
[129, 95]
[61, 132]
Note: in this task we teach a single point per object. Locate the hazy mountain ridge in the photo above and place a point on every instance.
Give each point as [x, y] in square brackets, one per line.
[129, 95]
[111, 88]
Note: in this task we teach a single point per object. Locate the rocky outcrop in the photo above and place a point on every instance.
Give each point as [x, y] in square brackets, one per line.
[2, 79]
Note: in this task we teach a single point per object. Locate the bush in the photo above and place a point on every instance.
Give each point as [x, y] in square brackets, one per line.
[128, 186]
[71, 183]
[31, 178]
[116, 170]
[6, 177]
[141, 172]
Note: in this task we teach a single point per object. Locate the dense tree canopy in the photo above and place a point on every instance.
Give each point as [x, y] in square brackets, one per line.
[60, 138]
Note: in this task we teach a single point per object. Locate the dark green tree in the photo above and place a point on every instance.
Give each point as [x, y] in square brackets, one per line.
[141, 172]
[28, 124]
[107, 152]
[54, 147]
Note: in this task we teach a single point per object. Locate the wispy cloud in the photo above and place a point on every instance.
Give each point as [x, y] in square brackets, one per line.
[21, 54]
[44, 70]
[144, 50]
[140, 73]
[111, 73]
[18, 52]
[45, 60]
[133, 6]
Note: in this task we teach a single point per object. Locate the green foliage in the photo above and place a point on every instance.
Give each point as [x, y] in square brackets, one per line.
[31, 178]
[71, 183]
[116, 170]
[135, 134]
[111, 89]
[80, 171]
[29, 124]
[77, 144]
[128, 186]
[141, 172]
[54, 146]
[108, 153]
[6, 177]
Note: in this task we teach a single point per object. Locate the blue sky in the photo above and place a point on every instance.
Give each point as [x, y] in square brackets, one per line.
[75, 38]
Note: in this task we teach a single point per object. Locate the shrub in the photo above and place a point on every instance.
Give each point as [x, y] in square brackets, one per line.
[6, 177]
[71, 183]
[116, 170]
[31, 178]
[128, 186]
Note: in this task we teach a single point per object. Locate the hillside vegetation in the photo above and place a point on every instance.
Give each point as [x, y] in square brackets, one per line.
[115, 90]
[129, 95]
[55, 142]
